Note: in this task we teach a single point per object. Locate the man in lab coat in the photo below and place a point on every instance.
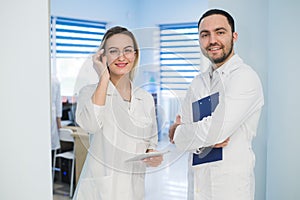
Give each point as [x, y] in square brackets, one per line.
[233, 123]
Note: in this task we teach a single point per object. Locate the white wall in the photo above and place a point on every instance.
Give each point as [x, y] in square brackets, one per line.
[115, 12]
[155, 12]
[25, 101]
[131, 13]
[283, 166]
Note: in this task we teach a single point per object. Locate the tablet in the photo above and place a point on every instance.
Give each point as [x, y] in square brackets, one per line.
[142, 156]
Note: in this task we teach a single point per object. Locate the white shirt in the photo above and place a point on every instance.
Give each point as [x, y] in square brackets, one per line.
[120, 131]
[237, 115]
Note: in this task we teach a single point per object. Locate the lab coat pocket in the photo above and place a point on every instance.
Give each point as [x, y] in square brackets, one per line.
[95, 189]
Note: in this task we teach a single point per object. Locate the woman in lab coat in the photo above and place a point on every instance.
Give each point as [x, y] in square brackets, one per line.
[122, 119]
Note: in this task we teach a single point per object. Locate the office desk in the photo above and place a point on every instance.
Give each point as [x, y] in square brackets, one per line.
[81, 142]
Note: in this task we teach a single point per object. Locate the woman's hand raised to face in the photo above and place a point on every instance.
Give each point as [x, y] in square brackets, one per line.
[100, 64]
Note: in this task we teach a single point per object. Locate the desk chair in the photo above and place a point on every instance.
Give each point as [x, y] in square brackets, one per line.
[65, 135]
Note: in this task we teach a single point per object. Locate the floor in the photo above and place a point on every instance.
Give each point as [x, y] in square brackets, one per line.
[167, 182]
[61, 191]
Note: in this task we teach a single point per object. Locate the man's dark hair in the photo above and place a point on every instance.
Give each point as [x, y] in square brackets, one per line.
[218, 12]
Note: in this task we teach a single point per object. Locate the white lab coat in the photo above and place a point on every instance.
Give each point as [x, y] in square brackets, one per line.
[121, 129]
[56, 107]
[237, 115]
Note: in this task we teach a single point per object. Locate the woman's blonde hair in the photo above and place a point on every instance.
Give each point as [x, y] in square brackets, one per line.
[122, 30]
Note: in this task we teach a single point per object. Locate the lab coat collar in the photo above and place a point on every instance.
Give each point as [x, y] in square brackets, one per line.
[231, 65]
[135, 92]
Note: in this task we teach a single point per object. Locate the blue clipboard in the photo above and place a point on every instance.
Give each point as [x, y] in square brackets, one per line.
[203, 108]
[207, 155]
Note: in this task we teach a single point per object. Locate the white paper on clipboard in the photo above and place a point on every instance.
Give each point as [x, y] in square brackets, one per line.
[142, 156]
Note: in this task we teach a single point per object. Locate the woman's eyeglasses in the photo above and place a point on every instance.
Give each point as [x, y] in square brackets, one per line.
[115, 52]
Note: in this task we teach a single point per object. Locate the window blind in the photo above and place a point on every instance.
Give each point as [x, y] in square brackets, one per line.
[75, 37]
[179, 56]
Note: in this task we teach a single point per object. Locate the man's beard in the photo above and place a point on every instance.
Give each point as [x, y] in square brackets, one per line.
[223, 58]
